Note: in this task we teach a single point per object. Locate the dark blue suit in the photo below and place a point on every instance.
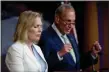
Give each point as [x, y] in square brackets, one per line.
[51, 44]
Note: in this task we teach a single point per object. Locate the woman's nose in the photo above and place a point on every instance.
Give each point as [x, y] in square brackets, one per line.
[40, 29]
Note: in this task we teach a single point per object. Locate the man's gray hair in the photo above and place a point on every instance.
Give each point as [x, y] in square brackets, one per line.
[62, 7]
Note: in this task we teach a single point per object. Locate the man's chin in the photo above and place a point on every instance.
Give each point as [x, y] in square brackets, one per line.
[67, 32]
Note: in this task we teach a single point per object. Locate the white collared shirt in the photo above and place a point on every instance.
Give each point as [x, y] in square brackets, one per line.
[58, 32]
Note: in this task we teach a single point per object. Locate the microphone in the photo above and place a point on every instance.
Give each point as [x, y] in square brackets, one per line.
[65, 2]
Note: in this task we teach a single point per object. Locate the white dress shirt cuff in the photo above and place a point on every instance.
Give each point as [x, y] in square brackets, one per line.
[60, 58]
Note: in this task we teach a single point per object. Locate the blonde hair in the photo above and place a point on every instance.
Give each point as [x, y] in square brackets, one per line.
[25, 21]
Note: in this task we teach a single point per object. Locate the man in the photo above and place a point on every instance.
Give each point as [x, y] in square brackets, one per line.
[60, 47]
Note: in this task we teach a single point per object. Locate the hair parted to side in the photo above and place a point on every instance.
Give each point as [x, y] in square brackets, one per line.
[25, 21]
[63, 7]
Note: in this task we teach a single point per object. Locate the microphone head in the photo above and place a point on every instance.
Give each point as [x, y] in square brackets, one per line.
[65, 2]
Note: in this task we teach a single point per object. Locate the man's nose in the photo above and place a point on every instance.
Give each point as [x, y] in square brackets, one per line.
[70, 25]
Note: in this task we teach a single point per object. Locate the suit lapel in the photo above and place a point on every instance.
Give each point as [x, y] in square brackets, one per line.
[74, 45]
[39, 52]
[57, 41]
[29, 54]
[32, 57]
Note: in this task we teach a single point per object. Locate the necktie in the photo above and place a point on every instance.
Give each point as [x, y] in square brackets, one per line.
[38, 57]
[71, 51]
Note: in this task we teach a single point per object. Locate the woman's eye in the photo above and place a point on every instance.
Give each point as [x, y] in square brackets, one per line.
[35, 26]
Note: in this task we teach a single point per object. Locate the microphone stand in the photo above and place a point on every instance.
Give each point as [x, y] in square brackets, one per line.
[93, 66]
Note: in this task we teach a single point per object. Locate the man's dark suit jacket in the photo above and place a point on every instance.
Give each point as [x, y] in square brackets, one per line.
[50, 44]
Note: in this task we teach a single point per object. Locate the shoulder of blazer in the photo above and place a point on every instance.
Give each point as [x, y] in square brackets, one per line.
[17, 47]
[49, 32]
[18, 44]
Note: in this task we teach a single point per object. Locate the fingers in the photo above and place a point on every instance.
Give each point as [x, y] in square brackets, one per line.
[68, 47]
[97, 46]
[65, 49]
[96, 42]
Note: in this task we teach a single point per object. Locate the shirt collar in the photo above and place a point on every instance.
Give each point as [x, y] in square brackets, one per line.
[57, 30]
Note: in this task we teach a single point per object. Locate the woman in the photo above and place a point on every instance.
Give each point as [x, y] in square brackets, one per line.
[24, 55]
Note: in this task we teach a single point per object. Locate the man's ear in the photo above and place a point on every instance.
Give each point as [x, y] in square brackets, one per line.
[57, 19]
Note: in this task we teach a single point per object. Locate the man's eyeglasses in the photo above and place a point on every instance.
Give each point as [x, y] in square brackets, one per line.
[67, 22]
